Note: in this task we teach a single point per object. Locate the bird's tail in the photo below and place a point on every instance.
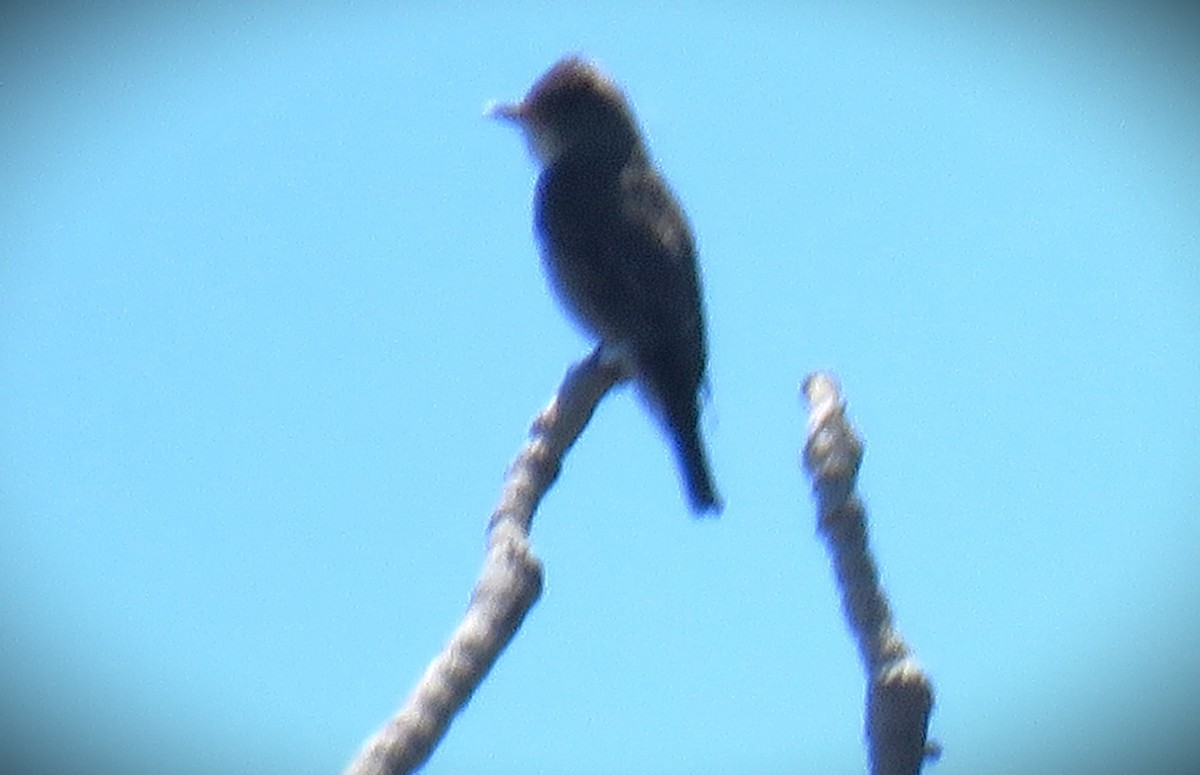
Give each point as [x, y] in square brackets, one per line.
[669, 379]
[693, 461]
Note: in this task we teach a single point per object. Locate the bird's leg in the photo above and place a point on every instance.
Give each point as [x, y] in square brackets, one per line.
[617, 357]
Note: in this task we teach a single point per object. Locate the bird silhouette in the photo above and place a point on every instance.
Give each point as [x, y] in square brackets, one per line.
[618, 250]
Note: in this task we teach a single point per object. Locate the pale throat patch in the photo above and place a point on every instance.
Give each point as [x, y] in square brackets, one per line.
[545, 146]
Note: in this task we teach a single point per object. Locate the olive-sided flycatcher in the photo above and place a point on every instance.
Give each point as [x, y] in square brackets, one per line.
[618, 250]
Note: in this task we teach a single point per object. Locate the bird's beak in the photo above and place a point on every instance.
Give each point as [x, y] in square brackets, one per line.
[505, 111]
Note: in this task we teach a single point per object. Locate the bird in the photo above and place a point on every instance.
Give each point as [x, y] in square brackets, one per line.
[618, 250]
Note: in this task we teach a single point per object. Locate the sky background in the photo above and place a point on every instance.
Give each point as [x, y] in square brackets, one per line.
[272, 326]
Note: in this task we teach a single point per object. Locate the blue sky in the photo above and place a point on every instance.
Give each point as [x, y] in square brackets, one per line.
[272, 325]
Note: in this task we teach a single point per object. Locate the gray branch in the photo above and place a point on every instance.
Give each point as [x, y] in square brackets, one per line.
[899, 694]
[508, 585]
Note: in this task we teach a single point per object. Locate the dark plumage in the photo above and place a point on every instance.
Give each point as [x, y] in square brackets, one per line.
[618, 250]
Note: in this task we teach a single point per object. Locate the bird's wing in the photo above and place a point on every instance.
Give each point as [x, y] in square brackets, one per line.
[659, 254]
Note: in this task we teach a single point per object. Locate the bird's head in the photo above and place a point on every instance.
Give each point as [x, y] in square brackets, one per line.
[573, 105]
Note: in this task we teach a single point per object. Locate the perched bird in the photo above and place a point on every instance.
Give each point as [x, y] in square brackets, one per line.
[618, 250]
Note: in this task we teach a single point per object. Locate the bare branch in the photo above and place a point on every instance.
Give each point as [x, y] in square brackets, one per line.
[508, 585]
[899, 694]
